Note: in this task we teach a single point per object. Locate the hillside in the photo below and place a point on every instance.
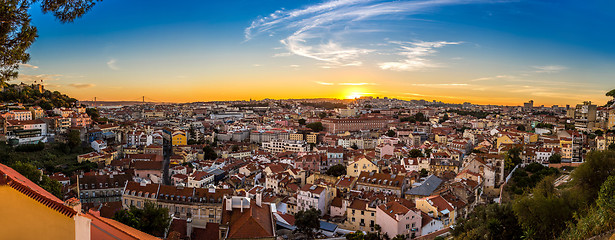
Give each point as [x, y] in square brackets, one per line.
[30, 95]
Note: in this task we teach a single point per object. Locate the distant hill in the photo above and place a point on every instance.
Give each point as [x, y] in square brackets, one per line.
[35, 94]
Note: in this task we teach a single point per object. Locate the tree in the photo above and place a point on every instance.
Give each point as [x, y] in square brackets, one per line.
[33, 174]
[322, 115]
[307, 222]
[354, 146]
[612, 146]
[424, 172]
[301, 121]
[336, 170]
[235, 148]
[150, 219]
[590, 175]
[521, 128]
[17, 35]
[209, 153]
[493, 221]
[399, 237]
[414, 153]
[94, 114]
[74, 139]
[555, 158]
[513, 158]
[444, 118]
[599, 132]
[543, 213]
[390, 133]
[611, 93]
[419, 117]
[315, 126]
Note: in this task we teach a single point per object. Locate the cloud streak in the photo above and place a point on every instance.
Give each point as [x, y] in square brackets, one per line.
[324, 31]
[415, 54]
[82, 85]
[112, 64]
[549, 69]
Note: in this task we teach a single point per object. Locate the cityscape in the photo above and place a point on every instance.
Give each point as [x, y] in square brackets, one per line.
[331, 119]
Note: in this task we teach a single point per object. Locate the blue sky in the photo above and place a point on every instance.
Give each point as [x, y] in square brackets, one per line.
[502, 52]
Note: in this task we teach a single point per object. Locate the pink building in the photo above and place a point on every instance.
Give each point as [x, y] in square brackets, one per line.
[399, 219]
[80, 120]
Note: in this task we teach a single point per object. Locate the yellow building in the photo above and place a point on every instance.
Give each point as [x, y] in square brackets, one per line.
[437, 207]
[29, 212]
[296, 136]
[360, 216]
[504, 139]
[311, 138]
[355, 168]
[179, 138]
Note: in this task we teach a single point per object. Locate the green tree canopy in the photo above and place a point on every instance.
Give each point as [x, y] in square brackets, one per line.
[209, 153]
[17, 35]
[390, 133]
[493, 221]
[590, 175]
[555, 158]
[307, 222]
[316, 126]
[336, 170]
[150, 219]
[414, 153]
[301, 121]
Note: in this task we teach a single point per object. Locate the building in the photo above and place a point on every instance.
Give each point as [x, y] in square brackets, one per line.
[312, 196]
[584, 115]
[179, 137]
[528, 105]
[202, 205]
[381, 182]
[244, 218]
[30, 212]
[361, 215]
[355, 168]
[277, 146]
[97, 189]
[334, 125]
[20, 115]
[396, 218]
[438, 208]
[26, 131]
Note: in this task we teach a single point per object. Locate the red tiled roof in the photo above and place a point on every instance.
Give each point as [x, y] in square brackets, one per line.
[15, 180]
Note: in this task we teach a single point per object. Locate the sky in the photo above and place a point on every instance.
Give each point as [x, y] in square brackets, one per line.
[479, 51]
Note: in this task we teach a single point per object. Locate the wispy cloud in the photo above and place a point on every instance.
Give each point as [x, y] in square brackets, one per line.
[549, 68]
[82, 85]
[327, 31]
[32, 78]
[440, 84]
[492, 78]
[112, 64]
[25, 65]
[345, 83]
[415, 54]
[325, 83]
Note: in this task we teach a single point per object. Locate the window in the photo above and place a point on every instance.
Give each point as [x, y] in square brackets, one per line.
[407, 226]
[353, 220]
[362, 212]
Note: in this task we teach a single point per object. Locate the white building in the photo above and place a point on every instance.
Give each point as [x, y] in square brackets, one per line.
[312, 196]
[277, 146]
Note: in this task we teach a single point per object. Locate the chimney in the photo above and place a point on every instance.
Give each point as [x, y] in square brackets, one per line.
[189, 227]
[241, 209]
